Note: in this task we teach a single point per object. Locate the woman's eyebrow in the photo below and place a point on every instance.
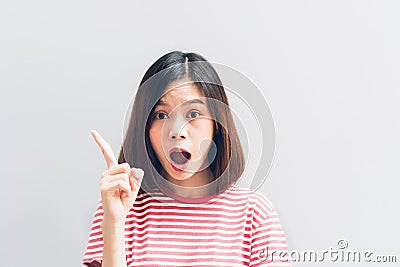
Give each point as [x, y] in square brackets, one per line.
[193, 101]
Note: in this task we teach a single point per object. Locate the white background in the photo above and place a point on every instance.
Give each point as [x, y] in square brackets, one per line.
[329, 70]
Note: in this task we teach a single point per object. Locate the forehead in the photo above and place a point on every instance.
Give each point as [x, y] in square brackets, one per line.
[178, 93]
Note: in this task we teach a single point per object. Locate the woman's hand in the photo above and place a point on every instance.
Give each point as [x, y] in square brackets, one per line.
[119, 185]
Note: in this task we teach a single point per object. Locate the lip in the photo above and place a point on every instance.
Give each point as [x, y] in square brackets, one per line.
[178, 168]
[180, 149]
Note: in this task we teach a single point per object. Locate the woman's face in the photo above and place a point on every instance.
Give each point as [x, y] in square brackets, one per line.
[181, 132]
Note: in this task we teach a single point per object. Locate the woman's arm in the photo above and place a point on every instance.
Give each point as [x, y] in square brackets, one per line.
[119, 186]
[114, 244]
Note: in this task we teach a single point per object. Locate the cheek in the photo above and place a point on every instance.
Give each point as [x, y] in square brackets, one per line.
[203, 139]
[155, 138]
[204, 129]
[208, 128]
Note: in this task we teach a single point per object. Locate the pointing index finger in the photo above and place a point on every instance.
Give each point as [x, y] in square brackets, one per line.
[105, 148]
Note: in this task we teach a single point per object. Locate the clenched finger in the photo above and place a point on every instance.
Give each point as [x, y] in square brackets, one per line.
[119, 185]
[120, 168]
[136, 178]
[120, 176]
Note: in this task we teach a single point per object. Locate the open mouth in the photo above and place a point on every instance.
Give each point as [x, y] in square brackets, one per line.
[180, 159]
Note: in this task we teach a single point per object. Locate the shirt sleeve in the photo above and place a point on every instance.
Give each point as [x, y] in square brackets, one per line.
[94, 250]
[268, 241]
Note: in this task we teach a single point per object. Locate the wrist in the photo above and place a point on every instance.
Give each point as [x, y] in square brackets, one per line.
[112, 226]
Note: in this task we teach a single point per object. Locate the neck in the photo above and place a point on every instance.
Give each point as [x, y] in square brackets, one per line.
[195, 186]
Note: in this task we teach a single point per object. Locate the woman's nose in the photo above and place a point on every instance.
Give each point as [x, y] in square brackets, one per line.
[177, 129]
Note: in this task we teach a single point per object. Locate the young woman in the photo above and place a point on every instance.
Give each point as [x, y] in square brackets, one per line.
[170, 199]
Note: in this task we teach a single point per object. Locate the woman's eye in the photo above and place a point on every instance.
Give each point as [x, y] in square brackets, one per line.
[161, 116]
[193, 114]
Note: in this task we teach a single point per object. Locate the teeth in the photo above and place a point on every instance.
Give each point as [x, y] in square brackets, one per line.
[180, 157]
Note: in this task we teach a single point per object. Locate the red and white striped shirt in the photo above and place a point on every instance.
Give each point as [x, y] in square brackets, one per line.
[236, 228]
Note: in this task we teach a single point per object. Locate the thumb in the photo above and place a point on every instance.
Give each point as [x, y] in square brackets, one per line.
[137, 175]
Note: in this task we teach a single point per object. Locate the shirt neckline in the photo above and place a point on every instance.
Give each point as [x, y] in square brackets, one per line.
[192, 200]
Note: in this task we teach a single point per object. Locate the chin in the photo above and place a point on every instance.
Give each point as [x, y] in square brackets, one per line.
[184, 175]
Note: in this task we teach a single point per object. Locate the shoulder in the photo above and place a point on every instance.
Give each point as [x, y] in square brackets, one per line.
[262, 212]
[260, 209]
[256, 199]
[262, 202]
